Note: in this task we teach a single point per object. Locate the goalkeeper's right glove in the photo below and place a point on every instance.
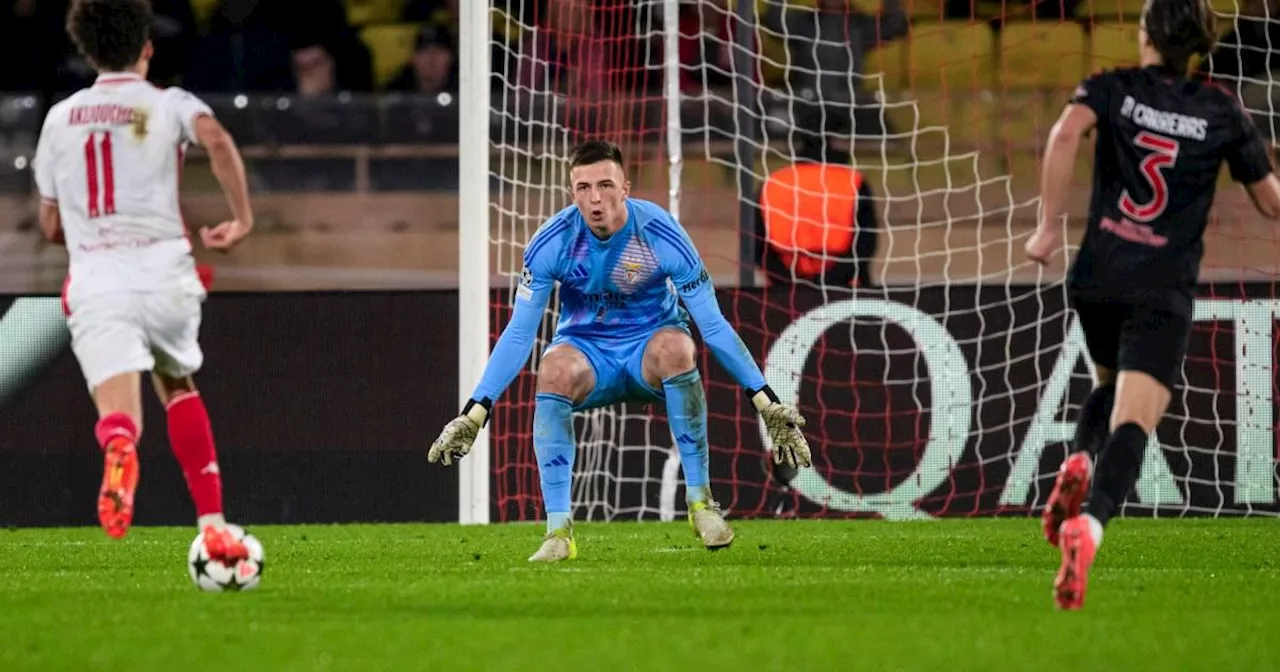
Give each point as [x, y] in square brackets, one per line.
[456, 438]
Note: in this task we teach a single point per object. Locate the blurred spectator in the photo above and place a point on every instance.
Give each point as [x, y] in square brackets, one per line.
[173, 34]
[326, 46]
[567, 53]
[826, 46]
[707, 34]
[32, 34]
[434, 67]
[435, 12]
[270, 45]
[247, 49]
[314, 71]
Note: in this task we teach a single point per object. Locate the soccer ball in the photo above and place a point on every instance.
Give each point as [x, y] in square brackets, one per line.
[214, 576]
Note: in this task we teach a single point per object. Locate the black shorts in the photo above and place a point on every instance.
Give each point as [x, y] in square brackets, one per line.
[1127, 337]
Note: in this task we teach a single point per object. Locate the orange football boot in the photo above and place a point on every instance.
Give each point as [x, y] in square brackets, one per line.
[223, 547]
[1078, 550]
[1068, 494]
[119, 482]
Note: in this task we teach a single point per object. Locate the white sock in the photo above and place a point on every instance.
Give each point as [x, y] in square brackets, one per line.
[1095, 529]
[214, 519]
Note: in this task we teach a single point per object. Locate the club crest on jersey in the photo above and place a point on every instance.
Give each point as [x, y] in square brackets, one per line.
[139, 124]
[631, 269]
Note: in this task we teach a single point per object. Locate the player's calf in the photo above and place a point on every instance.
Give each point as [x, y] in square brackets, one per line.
[1072, 484]
[1140, 401]
[1094, 421]
[670, 364]
[564, 378]
[191, 440]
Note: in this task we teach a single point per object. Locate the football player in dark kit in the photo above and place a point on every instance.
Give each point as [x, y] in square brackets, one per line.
[1161, 140]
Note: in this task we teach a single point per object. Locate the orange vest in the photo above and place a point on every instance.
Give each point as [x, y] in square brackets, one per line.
[809, 214]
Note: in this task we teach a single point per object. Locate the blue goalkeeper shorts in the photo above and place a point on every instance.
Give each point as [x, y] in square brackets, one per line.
[619, 367]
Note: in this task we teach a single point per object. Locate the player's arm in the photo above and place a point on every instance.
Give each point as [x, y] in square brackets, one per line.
[1088, 104]
[684, 266]
[228, 169]
[509, 356]
[42, 166]
[1250, 165]
[1055, 178]
[197, 124]
[51, 223]
[1265, 194]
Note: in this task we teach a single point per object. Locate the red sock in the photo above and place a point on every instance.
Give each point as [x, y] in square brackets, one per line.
[191, 438]
[115, 426]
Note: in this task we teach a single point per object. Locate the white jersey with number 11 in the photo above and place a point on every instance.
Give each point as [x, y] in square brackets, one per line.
[110, 157]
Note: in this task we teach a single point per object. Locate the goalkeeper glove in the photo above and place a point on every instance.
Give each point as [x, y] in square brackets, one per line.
[456, 438]
[784, 423]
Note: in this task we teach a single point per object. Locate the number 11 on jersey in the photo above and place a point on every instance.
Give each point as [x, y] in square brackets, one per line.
[101, 178]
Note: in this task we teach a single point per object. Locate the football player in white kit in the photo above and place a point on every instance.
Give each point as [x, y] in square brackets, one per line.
[107, 167]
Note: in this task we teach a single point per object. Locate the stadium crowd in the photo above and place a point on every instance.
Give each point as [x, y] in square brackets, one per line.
[238, 45]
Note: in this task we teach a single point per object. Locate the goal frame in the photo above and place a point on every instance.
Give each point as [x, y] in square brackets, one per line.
[478, 280]
[474, 72]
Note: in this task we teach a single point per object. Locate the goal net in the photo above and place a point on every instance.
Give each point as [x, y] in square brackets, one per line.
[860, 181]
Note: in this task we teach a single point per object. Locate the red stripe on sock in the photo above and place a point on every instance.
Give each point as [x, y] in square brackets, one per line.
[191, 438]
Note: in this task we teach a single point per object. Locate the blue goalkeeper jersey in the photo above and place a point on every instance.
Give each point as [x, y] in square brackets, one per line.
[618, 289]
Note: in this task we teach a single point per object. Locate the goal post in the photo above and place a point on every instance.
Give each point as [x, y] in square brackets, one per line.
[943, 382]
[473, 244]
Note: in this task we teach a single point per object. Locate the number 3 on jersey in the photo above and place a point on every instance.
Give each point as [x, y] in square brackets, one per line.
[1164, 154]
[101, 175]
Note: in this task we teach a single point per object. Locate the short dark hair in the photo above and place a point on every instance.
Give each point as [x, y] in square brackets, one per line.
[594, 151]
[1179, 29]
[110, 33]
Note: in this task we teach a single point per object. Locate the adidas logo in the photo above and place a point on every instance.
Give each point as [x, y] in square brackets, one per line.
[685, 438]
[579, 271]
[557, 461]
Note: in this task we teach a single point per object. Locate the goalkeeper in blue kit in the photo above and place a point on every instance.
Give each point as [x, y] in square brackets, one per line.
[622, 336]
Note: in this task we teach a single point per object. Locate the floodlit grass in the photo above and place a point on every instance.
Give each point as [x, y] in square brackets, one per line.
[814, 595]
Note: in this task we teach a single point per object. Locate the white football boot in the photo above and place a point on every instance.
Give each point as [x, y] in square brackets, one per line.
[708, 523]
[558, 545]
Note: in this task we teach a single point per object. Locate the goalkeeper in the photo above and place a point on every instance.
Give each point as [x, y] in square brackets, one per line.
[622, 336]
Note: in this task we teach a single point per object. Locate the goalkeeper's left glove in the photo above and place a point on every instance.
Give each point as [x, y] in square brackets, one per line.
[784, 423]
[456, 438]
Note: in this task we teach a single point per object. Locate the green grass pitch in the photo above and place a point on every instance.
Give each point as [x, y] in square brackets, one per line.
[800, 595]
